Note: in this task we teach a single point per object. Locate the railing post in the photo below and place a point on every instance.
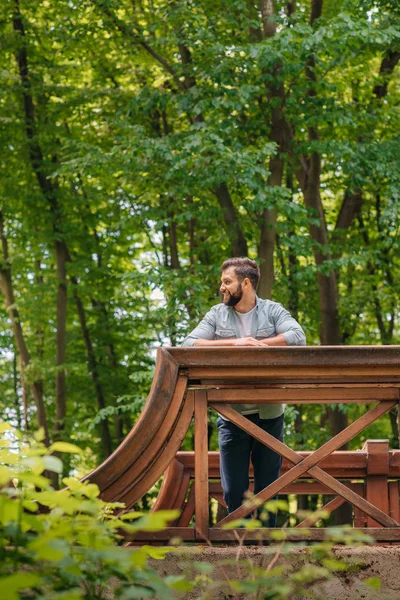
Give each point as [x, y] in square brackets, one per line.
[377, 491]
[394, 500]
[201, 464]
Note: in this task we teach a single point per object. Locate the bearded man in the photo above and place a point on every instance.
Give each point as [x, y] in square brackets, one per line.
[243, 319]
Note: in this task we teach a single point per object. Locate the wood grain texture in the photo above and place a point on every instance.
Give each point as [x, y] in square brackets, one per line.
[356, 394]
[145, 461]
[201, 464]
[170, 487]
[154, 412]
[188, 509]
[161, 461]
[318, 356]
[394, 500]
[228, 535]
[342, 464]
[329, 507]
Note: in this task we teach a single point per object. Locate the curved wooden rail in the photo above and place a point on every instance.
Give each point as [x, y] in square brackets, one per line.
[136, 465]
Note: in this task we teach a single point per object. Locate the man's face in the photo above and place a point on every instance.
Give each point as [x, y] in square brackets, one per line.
[230, 287]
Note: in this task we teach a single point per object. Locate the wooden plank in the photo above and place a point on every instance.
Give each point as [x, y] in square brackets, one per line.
[318, 356]
[219, 498]
[377, 457]
[180, 499]
[139, 487]
[304, 395]
[344, 464]
[170, 486]
[394, 500]
[307, 464]
[297, 374]
[376, 482]
[387, 534]
[229, 384]
[201, 464]
[359, 517]
[301, 488]
[188, 509]
[377, 493]
[185, 534]
[329, 506]
[149, 422]
[144, 463]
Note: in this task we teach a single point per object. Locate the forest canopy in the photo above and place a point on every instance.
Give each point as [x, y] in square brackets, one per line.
[146, 141]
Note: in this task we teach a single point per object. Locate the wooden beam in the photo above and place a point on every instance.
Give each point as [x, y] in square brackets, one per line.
[303, 395]
[330, 506]
[387, 534]
[201, 464]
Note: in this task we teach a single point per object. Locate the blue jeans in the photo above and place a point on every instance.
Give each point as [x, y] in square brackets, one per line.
[236, 448]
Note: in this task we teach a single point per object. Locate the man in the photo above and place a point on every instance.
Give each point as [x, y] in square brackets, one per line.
[243, 319]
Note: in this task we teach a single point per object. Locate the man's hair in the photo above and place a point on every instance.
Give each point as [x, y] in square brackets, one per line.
[244, 267]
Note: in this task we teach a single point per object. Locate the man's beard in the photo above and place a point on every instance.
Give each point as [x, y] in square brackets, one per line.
[234, 298]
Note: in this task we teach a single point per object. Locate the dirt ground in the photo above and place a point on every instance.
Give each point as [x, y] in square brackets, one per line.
[382, 561]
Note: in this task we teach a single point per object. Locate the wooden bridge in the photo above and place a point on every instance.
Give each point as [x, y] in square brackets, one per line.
[190, 381]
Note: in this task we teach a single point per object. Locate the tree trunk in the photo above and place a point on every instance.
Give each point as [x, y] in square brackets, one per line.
[93, 370]
[231, 220]
[328, 294]
[276, 97]
[23, 353]
[48, 188]
[61, 339]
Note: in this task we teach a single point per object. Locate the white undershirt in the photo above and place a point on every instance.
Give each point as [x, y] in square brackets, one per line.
[245, 321]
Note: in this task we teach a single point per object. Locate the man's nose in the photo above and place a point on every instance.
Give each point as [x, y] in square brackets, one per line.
[222, 288]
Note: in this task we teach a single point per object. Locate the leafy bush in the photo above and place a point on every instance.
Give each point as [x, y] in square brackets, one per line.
[64, 544]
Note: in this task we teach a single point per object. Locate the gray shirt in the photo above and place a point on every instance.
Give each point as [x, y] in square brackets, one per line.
[270, 319]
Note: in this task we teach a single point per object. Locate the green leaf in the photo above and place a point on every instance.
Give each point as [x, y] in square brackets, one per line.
[335, 565]
[39, 435]
[65, 447]
[4, 426]
[11, 586]
[159, 553]
[373, 582]
[53, 463]
[179, 583]
[5, 475]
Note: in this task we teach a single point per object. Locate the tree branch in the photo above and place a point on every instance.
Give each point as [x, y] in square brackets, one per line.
[136, 36]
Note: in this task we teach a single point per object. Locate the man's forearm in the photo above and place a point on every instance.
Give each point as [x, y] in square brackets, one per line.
[246, 341]
[201, 342]
[278, 340]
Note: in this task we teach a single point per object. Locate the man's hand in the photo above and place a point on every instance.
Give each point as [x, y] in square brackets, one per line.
[247, 341]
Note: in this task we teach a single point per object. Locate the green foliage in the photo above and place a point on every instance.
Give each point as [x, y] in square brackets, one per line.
[65, 544]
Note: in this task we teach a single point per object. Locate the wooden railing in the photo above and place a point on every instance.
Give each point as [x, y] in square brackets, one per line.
[195, 380]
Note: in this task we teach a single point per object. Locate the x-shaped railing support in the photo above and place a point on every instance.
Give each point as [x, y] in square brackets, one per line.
[308, 464]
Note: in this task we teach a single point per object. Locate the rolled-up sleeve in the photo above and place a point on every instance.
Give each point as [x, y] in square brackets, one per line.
[286, 324]
[205, 330]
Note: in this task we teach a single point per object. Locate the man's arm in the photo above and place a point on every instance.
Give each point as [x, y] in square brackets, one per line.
[289, 332]
[278, 340]
[246, 341]
[204, 333]
[205, 330]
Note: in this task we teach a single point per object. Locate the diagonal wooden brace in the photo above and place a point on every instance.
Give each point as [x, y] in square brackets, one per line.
[308, 464]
